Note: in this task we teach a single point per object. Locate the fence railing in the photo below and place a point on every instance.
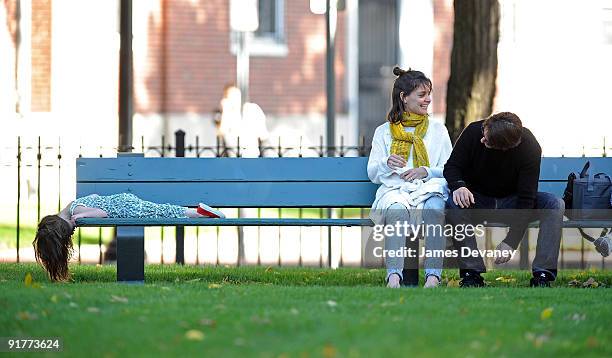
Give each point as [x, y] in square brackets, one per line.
[48, 163]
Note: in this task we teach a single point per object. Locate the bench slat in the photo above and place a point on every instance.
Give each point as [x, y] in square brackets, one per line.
[139, 169]
[223, 222]
[265, 194]
[286, 222]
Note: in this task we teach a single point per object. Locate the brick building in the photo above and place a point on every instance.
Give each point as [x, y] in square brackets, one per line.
[66, 58]
[59, 64]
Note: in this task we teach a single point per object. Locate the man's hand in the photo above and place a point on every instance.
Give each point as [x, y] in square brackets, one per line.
[415, 173]
[503, 247]
[395, 161]
[463, 197]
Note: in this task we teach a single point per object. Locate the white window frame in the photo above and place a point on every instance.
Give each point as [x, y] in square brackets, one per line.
[267, 46]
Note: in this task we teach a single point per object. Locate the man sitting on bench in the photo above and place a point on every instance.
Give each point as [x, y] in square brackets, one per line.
[495, 164]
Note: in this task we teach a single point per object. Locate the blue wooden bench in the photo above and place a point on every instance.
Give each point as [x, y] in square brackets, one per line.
[252, 182]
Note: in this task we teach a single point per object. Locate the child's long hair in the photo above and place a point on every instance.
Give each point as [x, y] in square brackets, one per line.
[53, 246]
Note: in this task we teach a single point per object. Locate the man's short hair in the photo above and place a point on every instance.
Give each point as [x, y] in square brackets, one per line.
[504, 130]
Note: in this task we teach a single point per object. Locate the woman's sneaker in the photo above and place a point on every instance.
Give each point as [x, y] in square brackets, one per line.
[209, 212]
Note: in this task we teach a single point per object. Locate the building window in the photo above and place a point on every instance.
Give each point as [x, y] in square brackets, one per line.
[269, 38]
[270, 21]
[607, 22]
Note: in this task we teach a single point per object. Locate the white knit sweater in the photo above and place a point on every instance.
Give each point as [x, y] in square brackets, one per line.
[393, 188]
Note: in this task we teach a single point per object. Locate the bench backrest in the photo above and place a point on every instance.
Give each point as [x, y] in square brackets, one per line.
[265, 182]
[232, 182]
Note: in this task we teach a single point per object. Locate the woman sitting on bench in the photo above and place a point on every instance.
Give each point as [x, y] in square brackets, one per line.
[407, 158]
[53, 243]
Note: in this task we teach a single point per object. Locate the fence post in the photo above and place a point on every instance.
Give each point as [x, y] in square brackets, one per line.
[18, 190]
[179, 140]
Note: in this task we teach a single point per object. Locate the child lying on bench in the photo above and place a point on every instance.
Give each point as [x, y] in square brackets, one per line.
[53, 244]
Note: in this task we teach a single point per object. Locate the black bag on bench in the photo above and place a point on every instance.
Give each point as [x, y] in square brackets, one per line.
[587, 197]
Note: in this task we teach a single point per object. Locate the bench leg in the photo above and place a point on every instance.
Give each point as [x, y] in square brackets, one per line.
[130, 254]
[410, 272]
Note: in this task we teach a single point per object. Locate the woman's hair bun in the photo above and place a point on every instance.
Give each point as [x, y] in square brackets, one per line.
[398, 71]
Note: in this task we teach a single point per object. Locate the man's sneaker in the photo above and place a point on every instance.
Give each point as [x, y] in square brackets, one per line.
[472, 279]
[539, 280]
[207, 211]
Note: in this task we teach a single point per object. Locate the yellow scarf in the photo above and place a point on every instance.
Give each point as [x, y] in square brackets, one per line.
[403, 141]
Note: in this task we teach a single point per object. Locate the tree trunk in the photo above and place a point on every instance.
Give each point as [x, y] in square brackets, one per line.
[471, 86]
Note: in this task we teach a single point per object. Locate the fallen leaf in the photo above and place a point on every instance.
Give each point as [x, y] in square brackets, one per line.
[28, 280]
[331, 303]
[592, 342]
[208, 322]
[402, 300]
[578, 317]
[93, 309]
[214, 285]
[165, 288]
[539, 340]
[329, 351]
[118, 299]
[574, 283]
[546, 313]
[260, 320]
[505, 279]
[194, 335]
[26, 316]
[54, 299]
[268, 269]
[590, 283]
[452, 283]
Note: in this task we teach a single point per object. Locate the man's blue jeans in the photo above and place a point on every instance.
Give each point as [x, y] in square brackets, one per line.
[549, 210]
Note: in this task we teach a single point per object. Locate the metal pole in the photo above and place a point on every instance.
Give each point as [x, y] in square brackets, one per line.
[331, 16]
[330, 80]
[179, 136]
[18, 191]
[242, 66]
[17, 51]
[126, 86]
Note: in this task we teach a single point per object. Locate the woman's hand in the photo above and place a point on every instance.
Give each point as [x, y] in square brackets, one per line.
[415, 173]
[395, 161]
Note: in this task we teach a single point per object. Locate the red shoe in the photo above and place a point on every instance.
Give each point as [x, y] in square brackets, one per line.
[207, 211]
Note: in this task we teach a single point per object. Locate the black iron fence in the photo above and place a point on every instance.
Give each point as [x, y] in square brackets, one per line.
[56, 160]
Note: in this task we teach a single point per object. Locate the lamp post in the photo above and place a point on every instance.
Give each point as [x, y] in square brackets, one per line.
[330, 9]
[126, 79]
[244, 19]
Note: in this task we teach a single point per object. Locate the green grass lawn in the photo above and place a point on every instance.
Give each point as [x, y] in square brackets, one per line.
[272, 312]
